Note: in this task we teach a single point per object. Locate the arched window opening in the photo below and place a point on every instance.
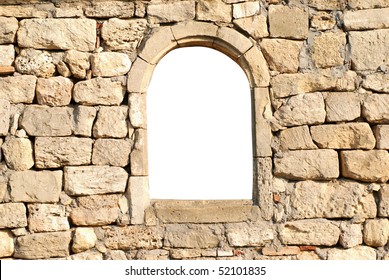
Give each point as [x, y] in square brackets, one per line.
[199, 126]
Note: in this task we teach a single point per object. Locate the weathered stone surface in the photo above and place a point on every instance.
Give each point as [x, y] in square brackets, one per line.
[110, 64]
[351, 235]
[99, 91]
[301, 109]
[326, 4]
[137, 110]
[55, 91]
[292, 84]
[86, 256]
[286, 22]
[138, 198]
[108, 9]
[335, 199]
[35, 62]
[18, 153]
[342, 106]
[240, 43]
[375, 55]
[383, 208]
[171, 12]
[83, 118]
[119, 34]
[18, 89]
[114, 152]
[366, 166]
[40, 120]
[95, 210]
[12, 215]
[376, 232]
[257, 68]
[243, 234]
[57, 34]
[343, 136]
[115, 255]
[78, 63]
[375, 108]
[356, 253]
[179, 254]
[8, 28]
[53, 152]
[377, 82]
[25, 11]
[158, 254]
[111, 122]
[84, 239]
[280, 60]
[47, 218]
[89, 180]
[7, 55]
[133, 237]
[296, 138]
[329, 49]
[213, 11]
[283, 251]
[6, 244]
[5, 115]
[140, 75]
[139, 156]
[366, 19]
[246, 9]
[256, 26]
[68, 10]
[43, 245]
[36, 186]
[362, 4]
[323, 21]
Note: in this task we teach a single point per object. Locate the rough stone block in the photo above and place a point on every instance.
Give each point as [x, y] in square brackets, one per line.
[231, 37]
[7, 246]
[375, 108]
[326, 4]
[137, 110]
[362, 4]
[84, 239]
[256, 26]
[179, 254]
[377, 82]
[47, 218]
[329, 49]
[213, 11]
[171, 12]
[342, 106]
[12, 215]
[356, 253]
[84, 118]
[288, 22]
[18, 153]
[139, 76]
[110, 64]
[25, 11]
[7, 55]
[366, 19]
[376, 232]
[383, 209]
[55, 91]
[244, 234]
[246, 9]
[296, 138]
[109, 9]
[35, 62]
[5, 114]
[323, 21]
[86, 256]
[115, 152]
[18, 89]
[138, 198]
[257, 69]
[139, 155]
[381, 133]
[78, 63]
[8, 28]
[111, 122]
[351, 235]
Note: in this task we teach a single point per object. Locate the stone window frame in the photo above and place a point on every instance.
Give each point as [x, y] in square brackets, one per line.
[248, 55]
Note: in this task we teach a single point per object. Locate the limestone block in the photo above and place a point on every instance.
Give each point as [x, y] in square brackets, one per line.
[40, 120]
[137, 110]
[109, 9]
[63, 69]
[351, 235]
[179, 254]
[84, 239]
[292, 84]
[8, 28]
[362, 4]
[288, 22]
[133, 237]
[256, 68]
[280, 60]
[376, 232]
[301, 109]
[381, 133]
[115, 255]
[213, 11]
[5, 115]
[366, 166]
[78, 63]
[12, 215]
[383, 208]
[323, 21]
[36, 186]
[99, 91]
[86, 256]
[326, 4]
[84, 118]
[47, 218]
[55, 91]
[139, 155]
[231, 37]
[68, 10]
[111, 122]
[244, 234]
[171, 12]
[18, 89]
[256, 26]
[54, 152]
[35, 62]
[139, 76]
[120, 34]
[95, 210]
[296, 138]
[366, 19]
[262, 111]
[329, 49]
[138, 197]
[375, 108]
[90, 180]
[57, 34]
[25, 11]
[43, 245]
[377, 82]
[246, 9]
[7, 246]
[110, 64]
[115, 152]
[342, 106]
[7, 55]
[308, 256]
[343, 136]
[375, 55]
[356, 253]
[18, 153]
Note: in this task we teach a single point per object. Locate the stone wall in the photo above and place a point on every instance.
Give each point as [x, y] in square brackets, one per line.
[73, 130]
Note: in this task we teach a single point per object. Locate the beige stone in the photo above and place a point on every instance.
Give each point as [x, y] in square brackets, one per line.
[356, 253]
[157, 254]
[213, 11]
[8, 28]
[375, 55]
[308, 256]
[35, 62]
[377, 82]
[138, 196]
[244, 234]
[246, 9]
[351, 235]
[283, 251]
[95, 210]
[7, 55]
[326, 4]
[111, 122]
[90, 180]
[43, 245]
[323, 21]
[139, 76]
[68, 10]
[366, 19]
[262, 112]
[78, 63]
[54, 152]
[86, 256]
[376, 232]
[296, 138]
[99, 91]
[12, 215]
[288, 22]
[280, 60]
[342, 106]
[63, 69]
[366, 166]
[5, 114]
[383, 208]
[18, 153]
[139, 156]
[36, 186]
[115, 152]
[256, 26]
[7, 246]
[381, 133]
[179, 254]
[55, 91]
[108, 9]
[171, 12]
[117, 255]
[255, 66]
[25, 11]
[137, 110]
[84, 239]
[231, 37]
[47, 218]
[362, 4]
[110, 64]
[83, 118]
[40, 120]
[329, 49]
[18, 89]
[375, 108]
